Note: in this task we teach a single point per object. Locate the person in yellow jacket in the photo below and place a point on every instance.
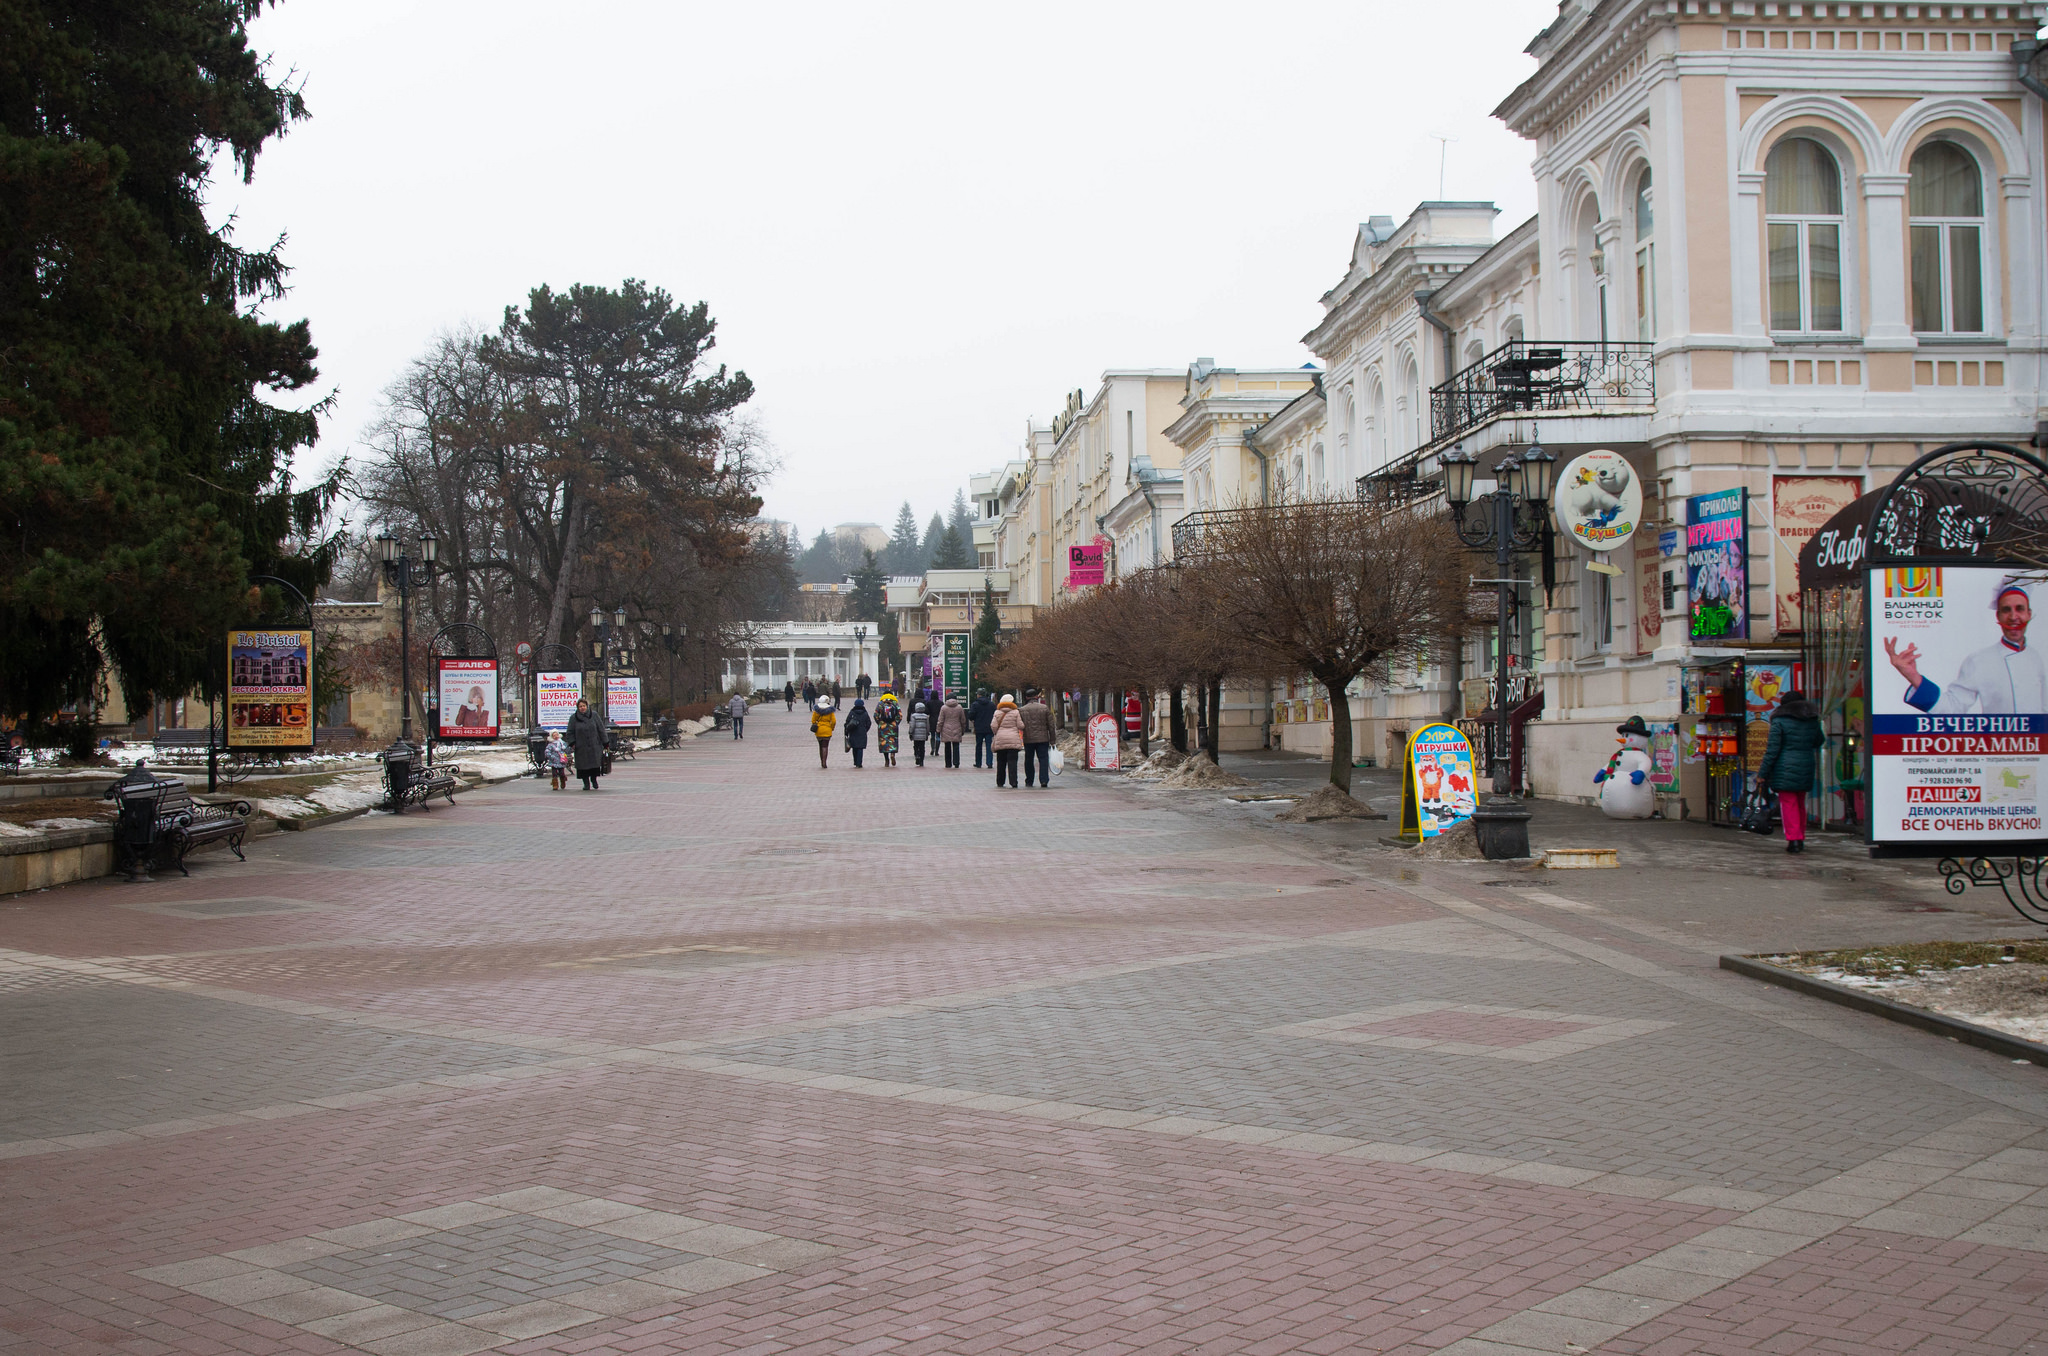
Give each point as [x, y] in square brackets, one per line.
[822, 721]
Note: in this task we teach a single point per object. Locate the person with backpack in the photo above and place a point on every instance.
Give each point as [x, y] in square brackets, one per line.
[920, 730]
[982, 715]
[858, 723]
[1791, 761]
[952, 729]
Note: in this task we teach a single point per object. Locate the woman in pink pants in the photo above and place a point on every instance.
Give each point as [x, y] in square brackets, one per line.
[1791, 761]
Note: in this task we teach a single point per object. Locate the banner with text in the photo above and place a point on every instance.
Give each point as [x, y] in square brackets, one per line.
[555, 697]
[1959, 705]
[1717, 564]
[270, 690]
[468, 689]
[622, 700]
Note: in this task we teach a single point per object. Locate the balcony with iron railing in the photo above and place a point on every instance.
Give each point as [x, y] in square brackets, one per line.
[1522, 378]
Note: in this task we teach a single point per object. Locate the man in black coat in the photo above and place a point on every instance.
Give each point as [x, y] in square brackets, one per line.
[585, 737]
[983, 713]
[789, 695]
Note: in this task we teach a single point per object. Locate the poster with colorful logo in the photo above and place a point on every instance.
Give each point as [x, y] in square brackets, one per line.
[1598, 500]
[1717, 564]
[1664, 753]
[1103, 745]
[270, 690]
[468, 692]
[556, 693]
[1765, 686]
[622, 700]
[1801, 507]
[1438, 790]
[1958, 705]
[956, 666]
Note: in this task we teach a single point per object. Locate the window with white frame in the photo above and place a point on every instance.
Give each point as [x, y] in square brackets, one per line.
[1945, 201]
[1413, 422]
[1646, 261]
[1803, 237]
[1319, 476]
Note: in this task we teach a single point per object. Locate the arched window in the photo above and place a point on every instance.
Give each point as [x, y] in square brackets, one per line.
[1474, 351]
[1319, 474]
[1300, 478]
[1946, 202]
[1378, 439]
[1646, 258]
[1803, 235]
[1511, 333]
[1413, 424]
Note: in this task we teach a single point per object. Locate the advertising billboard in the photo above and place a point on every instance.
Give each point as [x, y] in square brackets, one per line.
[270, 690]
[1800, 507]
[622, 699]
[1717, 564]
[1087, 565]
[1438, 791]
[555, 696]
[1959, 705]
[468, 692]
[956, 666]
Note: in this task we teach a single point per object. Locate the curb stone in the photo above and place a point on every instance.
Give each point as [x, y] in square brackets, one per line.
[1940, 1024]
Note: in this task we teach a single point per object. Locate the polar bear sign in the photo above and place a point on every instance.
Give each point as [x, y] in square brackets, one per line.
[1599, 500]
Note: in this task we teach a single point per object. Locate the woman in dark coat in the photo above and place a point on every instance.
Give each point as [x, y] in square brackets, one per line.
[857, 723]
[1791, 760]
[586, 742]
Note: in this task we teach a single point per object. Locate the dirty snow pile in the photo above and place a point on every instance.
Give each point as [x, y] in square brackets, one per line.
[1198, 773]
[1458, 844]
[1328, 802]
[356, 791]
[1162, 761]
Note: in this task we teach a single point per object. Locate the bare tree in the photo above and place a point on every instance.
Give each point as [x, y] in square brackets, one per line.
[1336, 589]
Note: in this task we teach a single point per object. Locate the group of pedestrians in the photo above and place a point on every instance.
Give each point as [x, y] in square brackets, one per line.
[581, 746]
[1021, 732]
[1004, 733]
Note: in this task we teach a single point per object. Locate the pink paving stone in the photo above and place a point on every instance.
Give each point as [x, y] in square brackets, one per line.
[1471, 1028]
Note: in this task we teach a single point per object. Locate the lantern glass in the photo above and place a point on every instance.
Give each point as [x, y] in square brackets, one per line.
[1457, 468]
[596, 616]
[430, 547]
[619, 616]
[387, 548]
[1539, 473]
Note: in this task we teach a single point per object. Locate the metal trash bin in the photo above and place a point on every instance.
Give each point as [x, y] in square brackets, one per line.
[398, 764]
[137, 793]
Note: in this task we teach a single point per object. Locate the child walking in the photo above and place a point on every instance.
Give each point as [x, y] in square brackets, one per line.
[558, 761]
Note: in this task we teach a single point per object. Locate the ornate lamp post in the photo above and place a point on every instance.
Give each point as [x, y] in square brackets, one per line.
[605, 629]
[672, 639]
[860, 640]
[1511, 518]
[407, 573]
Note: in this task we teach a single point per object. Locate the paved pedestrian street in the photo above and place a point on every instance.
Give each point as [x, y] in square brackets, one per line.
[738, 1056]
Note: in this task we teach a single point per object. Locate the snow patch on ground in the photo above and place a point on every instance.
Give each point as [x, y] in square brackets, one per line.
[2011, 997]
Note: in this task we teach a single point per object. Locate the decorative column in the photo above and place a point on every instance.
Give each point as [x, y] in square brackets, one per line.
[1886, 324]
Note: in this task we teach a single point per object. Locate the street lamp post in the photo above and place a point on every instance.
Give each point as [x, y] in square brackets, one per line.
[603, 630]
[860, 640]
[1510, 519]
[672, 639]
[408, 573]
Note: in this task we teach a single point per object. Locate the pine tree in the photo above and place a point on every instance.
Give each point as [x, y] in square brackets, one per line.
[952, 553]
[819, 564]
[145, 474]
[960, 517]
[933, 532]
[905, 554]
[987, 632]
[867, 602]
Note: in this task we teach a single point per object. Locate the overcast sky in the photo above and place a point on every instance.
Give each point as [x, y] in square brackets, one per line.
[918, 226]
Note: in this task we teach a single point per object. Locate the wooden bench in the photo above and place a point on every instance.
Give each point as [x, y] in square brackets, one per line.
[179, 823]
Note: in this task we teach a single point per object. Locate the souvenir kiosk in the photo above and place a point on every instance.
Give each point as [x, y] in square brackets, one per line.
[1832, 578]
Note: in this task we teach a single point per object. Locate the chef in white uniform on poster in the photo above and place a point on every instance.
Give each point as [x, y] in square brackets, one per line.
[2005, 677]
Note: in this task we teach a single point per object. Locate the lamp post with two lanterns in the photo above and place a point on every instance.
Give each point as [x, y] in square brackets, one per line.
[1511, 518]
[407, 572]
[672, 638]
[605, 645]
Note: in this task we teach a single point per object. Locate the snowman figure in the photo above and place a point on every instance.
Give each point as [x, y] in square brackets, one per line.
[1625, 790]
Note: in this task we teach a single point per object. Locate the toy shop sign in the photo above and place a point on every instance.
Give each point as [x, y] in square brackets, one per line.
[1959, 703]
[1598, 500]
[1437, 791]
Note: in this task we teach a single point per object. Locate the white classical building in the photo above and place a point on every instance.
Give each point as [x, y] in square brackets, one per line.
[774, 653]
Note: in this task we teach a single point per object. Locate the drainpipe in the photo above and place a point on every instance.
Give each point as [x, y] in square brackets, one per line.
[1251, 445]
[1145, 488]
[2024, 50]
[1450, 335]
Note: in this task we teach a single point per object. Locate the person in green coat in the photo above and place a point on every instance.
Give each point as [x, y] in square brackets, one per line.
[1791, 760]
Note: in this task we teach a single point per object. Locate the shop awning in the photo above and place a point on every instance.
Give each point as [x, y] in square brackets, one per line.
[1833, 556]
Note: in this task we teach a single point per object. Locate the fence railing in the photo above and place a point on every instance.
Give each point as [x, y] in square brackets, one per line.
[1192, 532]
[1527, 377]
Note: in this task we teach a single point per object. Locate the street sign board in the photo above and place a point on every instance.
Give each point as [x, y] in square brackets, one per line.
[622, 699]
[1103, 745]
[468, 692]
[956, 665]
[557, 692]
[270, 690]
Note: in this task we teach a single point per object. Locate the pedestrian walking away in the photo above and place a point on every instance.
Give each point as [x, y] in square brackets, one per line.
[810, 693]
[1007, 741]
[952, 729]
[823, 719]
[585, 738]
[920, 730]
[737, 709]
[837, 696]
[789, 695]
[557, 755]
[1037, 740]
[861, 685]
[888, 720]
[1791, 761]
[858, 722]
[981, 715]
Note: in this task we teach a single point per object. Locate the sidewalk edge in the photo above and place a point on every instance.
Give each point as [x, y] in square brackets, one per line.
[1969, 1033]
